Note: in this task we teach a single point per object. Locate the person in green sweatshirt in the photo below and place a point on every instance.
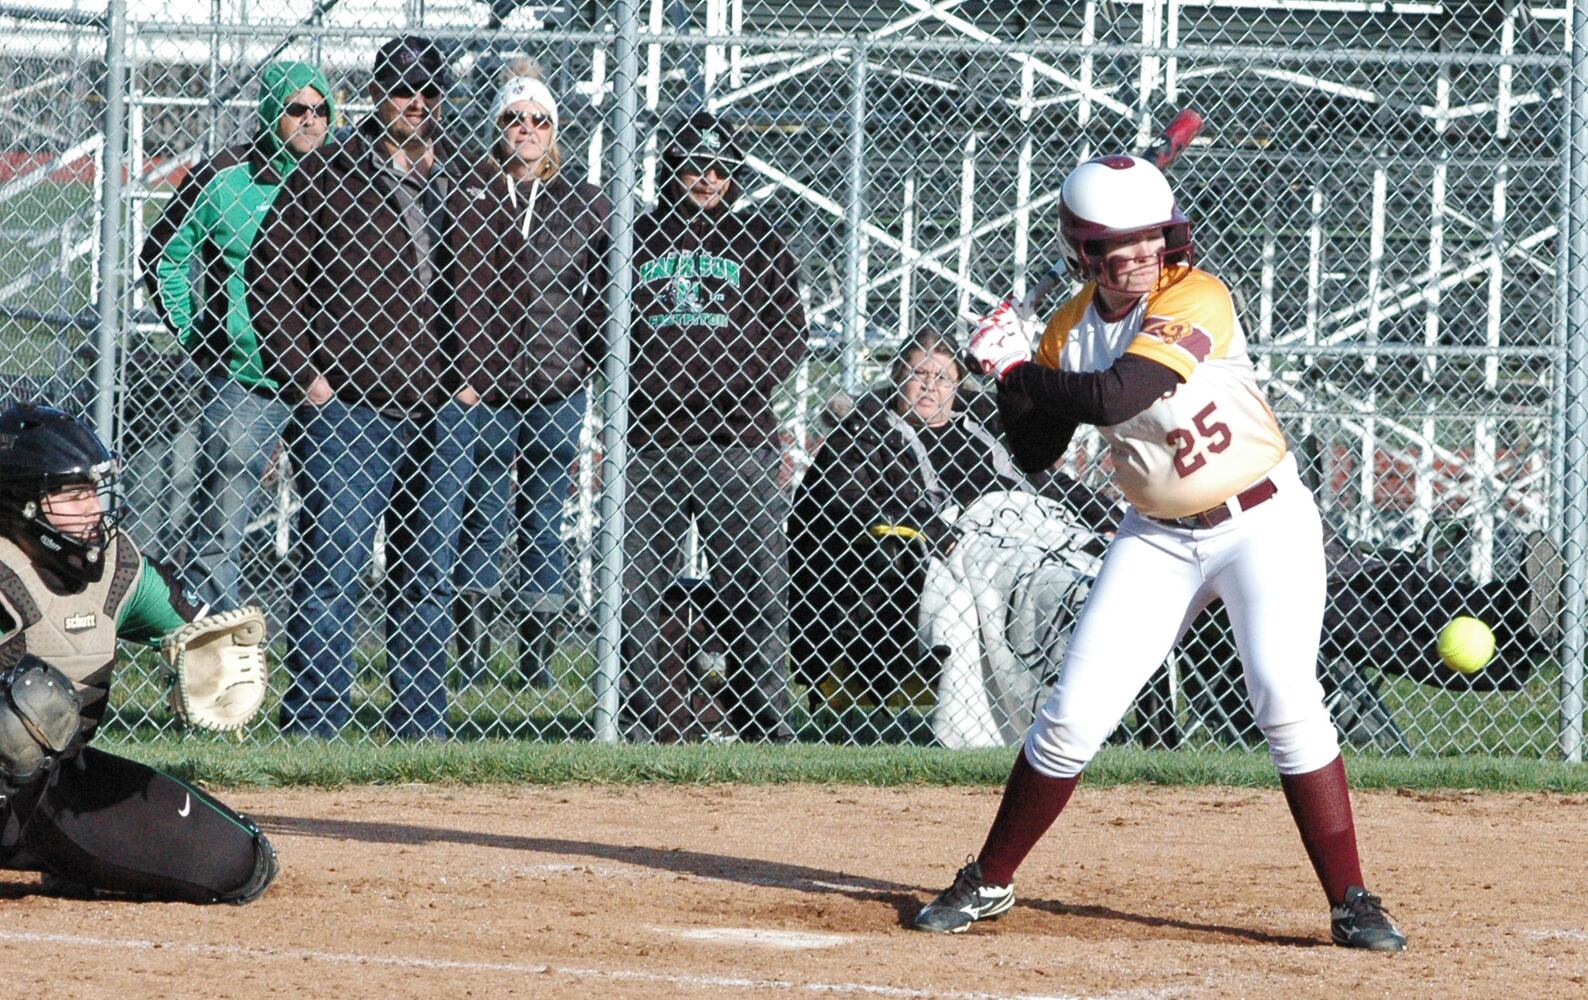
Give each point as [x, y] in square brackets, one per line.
[193, 266]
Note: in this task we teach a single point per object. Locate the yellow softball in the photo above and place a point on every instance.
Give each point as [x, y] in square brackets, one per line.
[1466, 645]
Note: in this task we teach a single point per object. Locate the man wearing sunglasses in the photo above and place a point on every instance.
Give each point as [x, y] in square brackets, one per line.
[718, 325]
[346, 285]
[211, 222]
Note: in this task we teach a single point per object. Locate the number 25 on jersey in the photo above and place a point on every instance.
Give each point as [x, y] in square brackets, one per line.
[1191, 446]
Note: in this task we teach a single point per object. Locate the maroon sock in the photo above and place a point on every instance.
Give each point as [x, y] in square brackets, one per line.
[1321, 805]
[1031, 803]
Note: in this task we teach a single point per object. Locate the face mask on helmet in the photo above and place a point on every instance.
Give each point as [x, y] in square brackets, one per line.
[58, 496]
[1114, 197]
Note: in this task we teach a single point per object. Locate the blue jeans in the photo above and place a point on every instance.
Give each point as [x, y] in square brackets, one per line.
[544, 439]
[238, 432]
[486, 499]
[426, 519]
[348, 459]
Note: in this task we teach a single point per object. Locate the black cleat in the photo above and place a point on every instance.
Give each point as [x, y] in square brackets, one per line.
[968, 900]
[1360, 922]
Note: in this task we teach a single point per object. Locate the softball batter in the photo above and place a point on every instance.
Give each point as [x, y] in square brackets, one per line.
[1150, 351]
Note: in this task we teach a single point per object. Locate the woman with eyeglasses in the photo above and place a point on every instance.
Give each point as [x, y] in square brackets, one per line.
[879, 593]
[529, 274]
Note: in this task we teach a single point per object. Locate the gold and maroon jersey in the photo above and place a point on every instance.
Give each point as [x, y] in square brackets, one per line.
[1210, 437]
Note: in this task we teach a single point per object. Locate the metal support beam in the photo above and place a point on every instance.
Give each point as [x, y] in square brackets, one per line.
[614, 432]
[854, 222]
[1574, 512]
[108, 340]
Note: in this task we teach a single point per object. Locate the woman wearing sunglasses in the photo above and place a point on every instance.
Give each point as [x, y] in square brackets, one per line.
[529, 273]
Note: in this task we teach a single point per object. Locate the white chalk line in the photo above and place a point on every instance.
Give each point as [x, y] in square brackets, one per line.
[637, 873]
[1559, 935]
[626, 975]
[776, 939]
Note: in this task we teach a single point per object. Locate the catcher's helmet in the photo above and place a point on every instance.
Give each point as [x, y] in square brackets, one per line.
[45, 451]
[1114, 196]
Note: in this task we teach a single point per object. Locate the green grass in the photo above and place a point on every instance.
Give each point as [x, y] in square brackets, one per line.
[512, 723]
[228, 762]
[1453, 723]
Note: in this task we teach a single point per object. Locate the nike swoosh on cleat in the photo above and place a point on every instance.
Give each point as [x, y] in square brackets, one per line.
[187, 805]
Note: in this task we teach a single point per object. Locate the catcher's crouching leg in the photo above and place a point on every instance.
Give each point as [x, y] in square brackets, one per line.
[266, 868]
[123, 829]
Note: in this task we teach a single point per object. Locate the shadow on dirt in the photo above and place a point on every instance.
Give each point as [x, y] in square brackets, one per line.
[745, 871]
[905, 899]
[1222, 932]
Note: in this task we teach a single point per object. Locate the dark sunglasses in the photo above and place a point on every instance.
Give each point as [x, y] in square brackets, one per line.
[403, 91]
[525, 119]
[701, 168]
[298, 110]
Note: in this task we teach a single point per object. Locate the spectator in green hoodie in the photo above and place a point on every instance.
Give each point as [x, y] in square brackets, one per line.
[193, 268]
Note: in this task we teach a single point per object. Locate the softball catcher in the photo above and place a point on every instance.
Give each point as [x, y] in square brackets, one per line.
[71, 585]
[1150, 350]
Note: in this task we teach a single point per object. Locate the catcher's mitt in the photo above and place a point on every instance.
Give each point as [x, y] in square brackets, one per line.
[219, 661]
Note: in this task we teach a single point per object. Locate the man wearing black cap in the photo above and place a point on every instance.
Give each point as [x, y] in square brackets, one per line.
[718, 325]
[345, 291]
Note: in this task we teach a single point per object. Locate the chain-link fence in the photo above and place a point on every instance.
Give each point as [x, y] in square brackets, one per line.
[485, 483]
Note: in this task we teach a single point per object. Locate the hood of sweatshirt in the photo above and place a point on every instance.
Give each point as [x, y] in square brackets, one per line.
[277, 83]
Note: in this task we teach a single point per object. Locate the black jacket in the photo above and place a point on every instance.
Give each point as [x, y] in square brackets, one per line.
[868, 472]
[718, 324]
[337, 287]
[527, 312]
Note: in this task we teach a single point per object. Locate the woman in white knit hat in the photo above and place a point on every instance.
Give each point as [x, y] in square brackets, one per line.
[525, 114]
[529, 269]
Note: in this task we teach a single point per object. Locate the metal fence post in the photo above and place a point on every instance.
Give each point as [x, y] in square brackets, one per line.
[1574, 515]
[854, 214]
[614, 432]
[110, 210]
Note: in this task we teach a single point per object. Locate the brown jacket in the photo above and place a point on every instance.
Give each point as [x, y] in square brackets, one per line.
[529, 309]
[336, 285]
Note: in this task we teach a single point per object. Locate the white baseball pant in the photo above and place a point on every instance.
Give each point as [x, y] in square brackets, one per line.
[1266, 564]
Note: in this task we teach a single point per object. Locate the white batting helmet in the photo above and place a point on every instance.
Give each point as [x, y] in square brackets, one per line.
[1115, 196]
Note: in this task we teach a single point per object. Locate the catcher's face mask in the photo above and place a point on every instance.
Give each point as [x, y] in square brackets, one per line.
[77, 512]
[74, 522]
[57, 490]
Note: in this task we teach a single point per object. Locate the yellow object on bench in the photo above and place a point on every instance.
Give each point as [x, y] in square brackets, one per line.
[894, 531]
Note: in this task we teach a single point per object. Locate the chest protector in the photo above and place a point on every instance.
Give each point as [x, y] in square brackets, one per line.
[74, 633]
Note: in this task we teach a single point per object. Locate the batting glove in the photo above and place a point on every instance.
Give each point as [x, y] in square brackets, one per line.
[1002, 340]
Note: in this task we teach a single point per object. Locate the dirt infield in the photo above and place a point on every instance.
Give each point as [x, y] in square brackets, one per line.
[797, 890]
